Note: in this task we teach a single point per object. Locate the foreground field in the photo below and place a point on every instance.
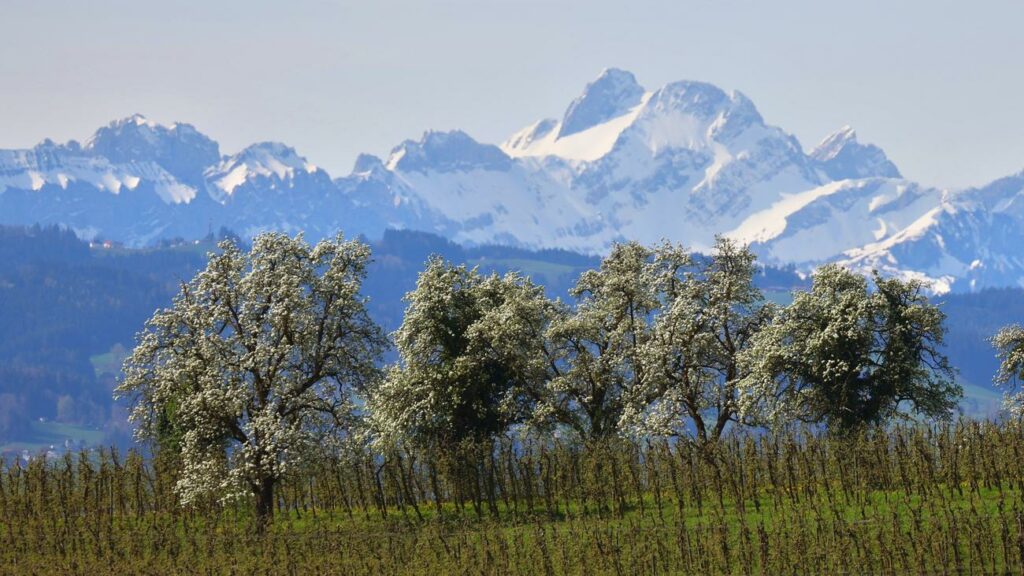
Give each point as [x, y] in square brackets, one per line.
[946, 500]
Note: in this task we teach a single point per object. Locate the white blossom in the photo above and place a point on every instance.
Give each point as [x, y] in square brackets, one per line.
[255, 363]
[845, 354]
[472, 357]
[1009, 343]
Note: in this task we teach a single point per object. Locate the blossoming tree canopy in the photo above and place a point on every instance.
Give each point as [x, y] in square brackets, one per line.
[845, 354]
[252, 370]
[1009, 343]
[472, 354]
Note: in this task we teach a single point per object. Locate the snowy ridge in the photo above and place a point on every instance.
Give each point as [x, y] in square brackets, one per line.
[585, 145]
[684, 162]
[138, 181]
[263, 160]
[970, 240]
[611, 95]
[816, 225]
[841, 157]
[61, 166]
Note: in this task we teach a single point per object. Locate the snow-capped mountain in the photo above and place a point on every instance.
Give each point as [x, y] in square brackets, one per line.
[268, 186]
[688, 156]
[842, 157]
[815, 225]
[179, 149]
[135, 200]
[138, 181]
[971, 239]
[684, 162]
[449, 183]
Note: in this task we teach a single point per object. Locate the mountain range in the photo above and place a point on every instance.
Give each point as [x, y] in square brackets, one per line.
[683, 162]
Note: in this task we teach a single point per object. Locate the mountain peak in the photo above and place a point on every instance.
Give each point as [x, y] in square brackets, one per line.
[142, 123]
[138, 120]
[701, 100]
[446, 152]
[612, 94]
[268, 150]
[843, 157]
[179, 148]
[834, 142]
[367, 163]
[48, 146]
[263, 159]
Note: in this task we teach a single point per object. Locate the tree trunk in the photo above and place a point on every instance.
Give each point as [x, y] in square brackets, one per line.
[264, 502]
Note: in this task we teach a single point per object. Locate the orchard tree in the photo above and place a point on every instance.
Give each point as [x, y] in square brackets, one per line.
[1009, 343]
[598, 367]
[710, 313]
[252, 370]
[472, 358]
[845, 355]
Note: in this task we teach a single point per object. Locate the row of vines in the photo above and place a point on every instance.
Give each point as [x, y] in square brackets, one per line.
[946, 499]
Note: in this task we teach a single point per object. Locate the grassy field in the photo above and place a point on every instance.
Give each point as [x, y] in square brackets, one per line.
[550, 274]
[909, 500]
[43, 435]
[108, 362]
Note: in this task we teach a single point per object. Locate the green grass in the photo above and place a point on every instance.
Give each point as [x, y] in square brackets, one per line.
[541, 271]
[109, 362]
[42, 435]
[105, 363]
[946, 499]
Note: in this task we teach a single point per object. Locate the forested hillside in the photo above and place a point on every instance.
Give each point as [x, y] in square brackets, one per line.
[69, 312]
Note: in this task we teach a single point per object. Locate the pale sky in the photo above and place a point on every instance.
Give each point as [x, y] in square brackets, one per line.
[938, 84]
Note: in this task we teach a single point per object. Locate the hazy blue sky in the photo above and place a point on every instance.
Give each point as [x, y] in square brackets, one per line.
[938, 84]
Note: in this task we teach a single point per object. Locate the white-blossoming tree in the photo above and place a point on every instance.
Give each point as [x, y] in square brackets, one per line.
[845, 354]
[252, 370]
[710, 313]
[598, 367]
[472, 358]
[1009, 344]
